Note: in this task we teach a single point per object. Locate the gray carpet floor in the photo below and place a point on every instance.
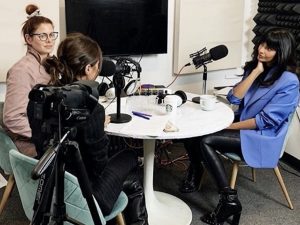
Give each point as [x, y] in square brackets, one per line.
[263, 202]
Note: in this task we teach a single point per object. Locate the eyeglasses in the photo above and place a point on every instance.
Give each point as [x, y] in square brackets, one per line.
[44, 36]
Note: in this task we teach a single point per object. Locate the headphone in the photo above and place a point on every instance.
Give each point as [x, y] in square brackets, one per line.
[123, 67]
[182, 98]
[106, 90]
[132, 86]
[126, 65]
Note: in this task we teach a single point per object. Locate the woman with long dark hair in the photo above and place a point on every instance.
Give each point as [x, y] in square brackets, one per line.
[267, 95]
[80, 58]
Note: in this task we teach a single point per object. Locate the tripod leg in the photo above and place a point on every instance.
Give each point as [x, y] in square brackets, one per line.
[59, 206]
[84, 183]
[43, 198]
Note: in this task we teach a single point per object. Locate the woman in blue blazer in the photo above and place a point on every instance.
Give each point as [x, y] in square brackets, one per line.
[267, 95]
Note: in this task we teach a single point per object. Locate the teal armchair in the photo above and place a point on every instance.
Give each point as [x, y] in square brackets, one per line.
[6, 144]
[76, 205]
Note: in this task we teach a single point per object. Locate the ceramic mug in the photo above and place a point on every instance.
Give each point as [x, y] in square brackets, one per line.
[208, 102]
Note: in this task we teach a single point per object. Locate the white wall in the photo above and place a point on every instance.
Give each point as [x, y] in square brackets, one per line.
[12, 18]
[12, 45]
[158, 69]
[292, 146]
[206, 23]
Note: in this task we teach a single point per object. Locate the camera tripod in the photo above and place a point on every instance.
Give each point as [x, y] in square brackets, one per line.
[51, 170]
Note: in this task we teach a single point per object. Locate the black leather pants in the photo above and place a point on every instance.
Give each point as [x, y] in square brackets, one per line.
[203, 149]
[192, 146]
[223, 141]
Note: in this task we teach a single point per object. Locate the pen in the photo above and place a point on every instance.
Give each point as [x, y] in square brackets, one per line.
[140, 115]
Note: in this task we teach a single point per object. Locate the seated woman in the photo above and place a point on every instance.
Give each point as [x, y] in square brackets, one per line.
[80, 58]
[39, 35]
[267, 94]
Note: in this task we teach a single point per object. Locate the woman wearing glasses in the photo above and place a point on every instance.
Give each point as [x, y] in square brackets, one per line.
[39, 36]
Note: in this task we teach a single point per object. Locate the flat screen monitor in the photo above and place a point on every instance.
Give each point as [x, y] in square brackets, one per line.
[121, 27]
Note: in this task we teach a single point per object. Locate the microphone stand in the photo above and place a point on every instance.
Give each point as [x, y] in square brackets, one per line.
[204, 78]
[119, 117]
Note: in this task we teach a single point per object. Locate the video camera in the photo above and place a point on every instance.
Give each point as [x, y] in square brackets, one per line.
[54, 110]
[73, 102]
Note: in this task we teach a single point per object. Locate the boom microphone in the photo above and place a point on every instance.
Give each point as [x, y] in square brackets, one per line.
[108, 68]
[215, 53]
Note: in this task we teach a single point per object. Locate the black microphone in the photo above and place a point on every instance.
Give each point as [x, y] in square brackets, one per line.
[108, 68]
[215, 53]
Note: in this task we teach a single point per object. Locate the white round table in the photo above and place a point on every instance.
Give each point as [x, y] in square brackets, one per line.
[191, 120]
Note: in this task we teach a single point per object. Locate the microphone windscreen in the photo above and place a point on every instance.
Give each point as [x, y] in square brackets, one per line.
[218, 52]
[108, 68]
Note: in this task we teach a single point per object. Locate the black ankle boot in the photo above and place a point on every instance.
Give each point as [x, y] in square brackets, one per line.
[192, 180]
[228, 206]
[135, 213]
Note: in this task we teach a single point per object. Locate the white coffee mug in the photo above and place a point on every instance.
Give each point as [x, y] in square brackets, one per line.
[208, 102]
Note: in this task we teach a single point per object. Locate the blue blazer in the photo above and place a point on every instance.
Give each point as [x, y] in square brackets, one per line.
[271, 107]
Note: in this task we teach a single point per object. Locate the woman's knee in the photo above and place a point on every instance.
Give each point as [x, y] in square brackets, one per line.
[207, 141]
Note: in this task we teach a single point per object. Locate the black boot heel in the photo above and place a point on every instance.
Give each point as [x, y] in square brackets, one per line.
[228, 206]
[236, 219]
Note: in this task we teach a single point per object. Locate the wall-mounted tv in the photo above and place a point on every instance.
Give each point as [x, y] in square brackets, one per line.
[121, 27]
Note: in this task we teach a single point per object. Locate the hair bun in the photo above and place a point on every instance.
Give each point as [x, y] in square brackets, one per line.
[30, 9]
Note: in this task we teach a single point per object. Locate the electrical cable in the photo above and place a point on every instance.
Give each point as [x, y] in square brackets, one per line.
[161, 149]
[130, 145]
[188, 64]
[110, 102]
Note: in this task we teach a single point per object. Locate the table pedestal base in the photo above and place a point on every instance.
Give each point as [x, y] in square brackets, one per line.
[162, 208]
[168, 209]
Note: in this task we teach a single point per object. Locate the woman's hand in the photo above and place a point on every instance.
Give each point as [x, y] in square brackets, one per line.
[241, 89]
[259, 68]
[107, 120]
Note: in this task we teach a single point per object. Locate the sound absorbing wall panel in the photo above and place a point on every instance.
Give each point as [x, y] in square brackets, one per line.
[208, 23]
